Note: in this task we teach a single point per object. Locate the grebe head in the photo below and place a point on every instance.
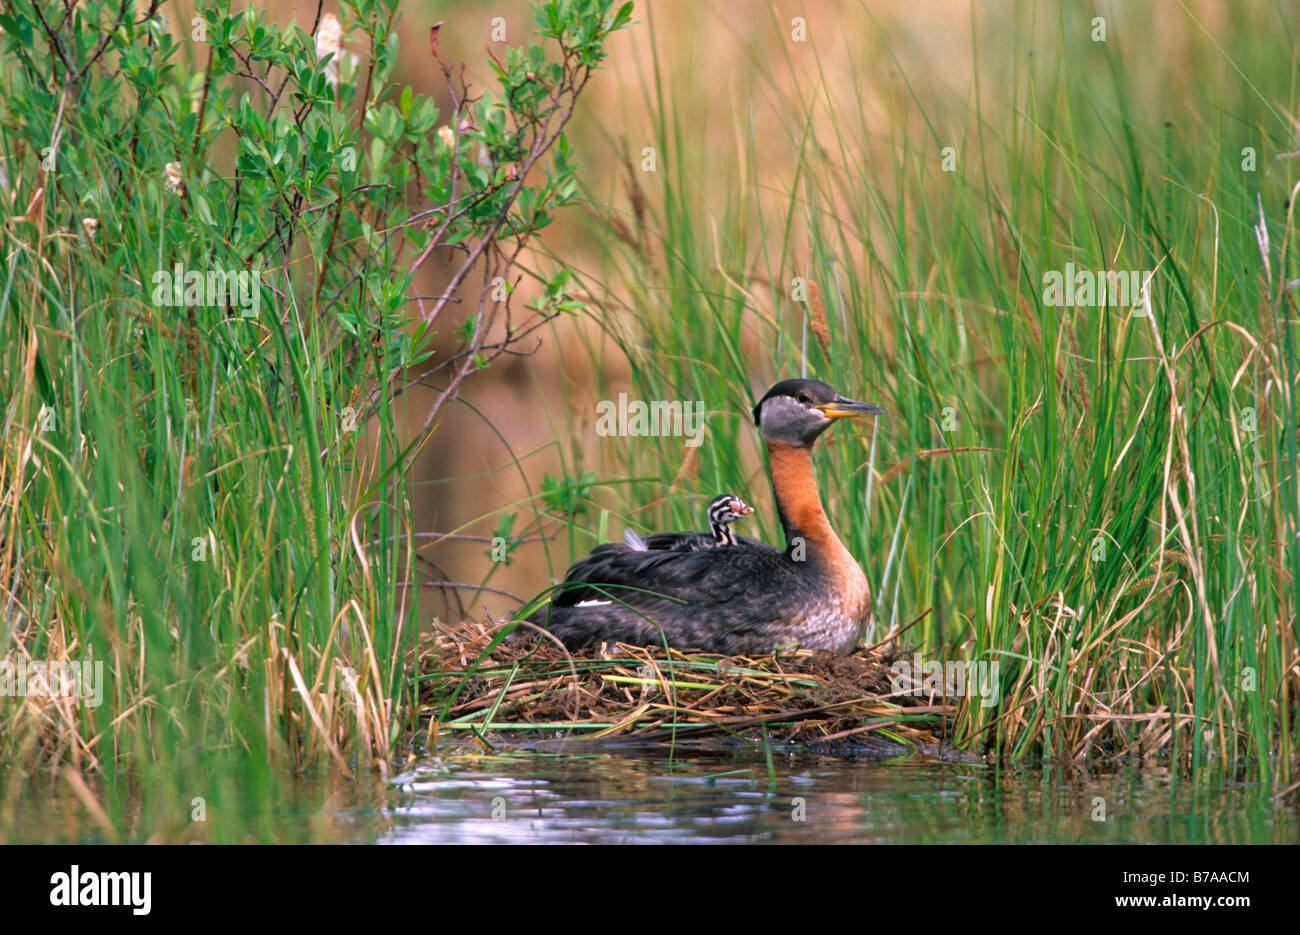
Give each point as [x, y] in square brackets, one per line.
[724, 511]
[795, 412]
[727, 509]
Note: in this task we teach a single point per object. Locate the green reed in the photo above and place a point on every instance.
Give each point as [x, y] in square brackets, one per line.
[1101, 500]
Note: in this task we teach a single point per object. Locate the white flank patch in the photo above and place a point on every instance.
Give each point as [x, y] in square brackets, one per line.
[634, 542]
[592, 603]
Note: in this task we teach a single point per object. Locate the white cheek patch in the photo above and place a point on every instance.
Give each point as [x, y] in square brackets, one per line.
[784, 419]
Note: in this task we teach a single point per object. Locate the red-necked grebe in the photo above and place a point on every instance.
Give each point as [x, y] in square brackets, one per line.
[723, 510]
[744, 598]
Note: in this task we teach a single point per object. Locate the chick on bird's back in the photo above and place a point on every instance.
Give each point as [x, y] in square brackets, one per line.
[723, 510]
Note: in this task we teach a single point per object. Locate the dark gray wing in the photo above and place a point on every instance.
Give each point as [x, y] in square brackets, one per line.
[716, 599]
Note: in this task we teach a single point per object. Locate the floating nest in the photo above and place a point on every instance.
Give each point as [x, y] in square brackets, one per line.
[475, 684]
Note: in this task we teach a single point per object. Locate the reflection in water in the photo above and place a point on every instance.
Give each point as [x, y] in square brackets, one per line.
[625, 795]
[630, 794]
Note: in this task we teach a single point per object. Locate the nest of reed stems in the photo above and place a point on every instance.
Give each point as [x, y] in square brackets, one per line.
[475, 684]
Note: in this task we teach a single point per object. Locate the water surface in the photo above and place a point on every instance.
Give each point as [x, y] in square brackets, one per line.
[636, 796]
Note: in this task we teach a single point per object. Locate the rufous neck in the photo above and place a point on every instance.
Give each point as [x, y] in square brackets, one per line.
[797, 499]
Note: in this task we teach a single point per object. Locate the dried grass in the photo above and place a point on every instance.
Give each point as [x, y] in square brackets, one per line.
[474, 681]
